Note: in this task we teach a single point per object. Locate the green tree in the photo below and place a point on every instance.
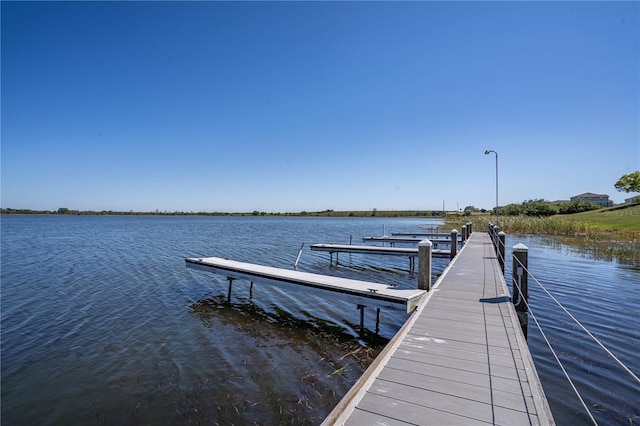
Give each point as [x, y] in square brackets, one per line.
[511, 210]
[577, 207]
[629, 182]
[539, 207]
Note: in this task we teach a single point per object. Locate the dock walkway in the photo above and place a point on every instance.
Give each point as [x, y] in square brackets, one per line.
[460, 359]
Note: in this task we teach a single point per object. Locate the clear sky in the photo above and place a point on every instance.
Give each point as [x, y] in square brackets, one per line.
[290, 106]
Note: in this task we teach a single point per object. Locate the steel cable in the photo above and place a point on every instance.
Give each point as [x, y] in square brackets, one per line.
[581, 326]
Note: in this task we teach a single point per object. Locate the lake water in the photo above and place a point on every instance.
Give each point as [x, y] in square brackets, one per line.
[102, 323]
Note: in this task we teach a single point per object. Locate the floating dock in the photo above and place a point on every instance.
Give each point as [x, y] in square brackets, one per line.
[461, 358]
[362, 293]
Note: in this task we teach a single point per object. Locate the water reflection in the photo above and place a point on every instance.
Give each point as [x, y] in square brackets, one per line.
[248, 317]
[611, 250]
[335, 359]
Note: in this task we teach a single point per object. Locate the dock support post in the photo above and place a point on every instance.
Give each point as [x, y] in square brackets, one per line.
[377, 321]
[361, 307]
[520, 283]
[454, 243]
[424, 265]
[494, 238]
[464, 233]
[469, 228]
[501, 250]
[251, 290]
[230, 279]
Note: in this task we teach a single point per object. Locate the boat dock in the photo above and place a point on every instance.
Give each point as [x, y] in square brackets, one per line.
[362, 293]
[461, 358]
[410, 252]
[422, 234]
[416, 240]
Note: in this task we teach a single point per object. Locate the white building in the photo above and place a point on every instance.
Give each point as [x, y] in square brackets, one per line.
[601, 199]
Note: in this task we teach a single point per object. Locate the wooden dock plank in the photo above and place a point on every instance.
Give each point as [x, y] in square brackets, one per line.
[509, 400]
[382, 410]
[460, 359]
[451, 351]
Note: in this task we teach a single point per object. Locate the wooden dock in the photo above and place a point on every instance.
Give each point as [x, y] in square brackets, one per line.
[362, 293]
[461, 358]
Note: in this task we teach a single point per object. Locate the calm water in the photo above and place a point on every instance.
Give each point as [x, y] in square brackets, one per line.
[102, 323]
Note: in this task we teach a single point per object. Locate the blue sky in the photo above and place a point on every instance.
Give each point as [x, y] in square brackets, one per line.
[290, 106]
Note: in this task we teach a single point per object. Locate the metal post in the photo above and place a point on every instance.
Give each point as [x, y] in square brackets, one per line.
[424, 265]
[361, 307]
[501, 250]
[520, 283]
[229, 293]
[454, 243]
[295, 265]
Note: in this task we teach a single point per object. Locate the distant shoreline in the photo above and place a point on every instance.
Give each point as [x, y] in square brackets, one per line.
[324, 213]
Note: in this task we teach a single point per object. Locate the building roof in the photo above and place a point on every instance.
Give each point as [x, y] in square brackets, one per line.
[590, 195]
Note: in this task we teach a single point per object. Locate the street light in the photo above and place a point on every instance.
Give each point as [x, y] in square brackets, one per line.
[487, 152]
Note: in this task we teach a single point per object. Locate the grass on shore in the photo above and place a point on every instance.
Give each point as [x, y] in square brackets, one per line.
[607, 233]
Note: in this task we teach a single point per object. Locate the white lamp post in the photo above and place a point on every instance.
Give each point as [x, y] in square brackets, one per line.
[487, 152]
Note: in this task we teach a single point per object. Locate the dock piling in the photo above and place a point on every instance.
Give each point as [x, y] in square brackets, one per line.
[501, 250]
[520, 283]
[424, 265]
[494, 238]
[230, 279]
[454, 243]
[361, 307]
